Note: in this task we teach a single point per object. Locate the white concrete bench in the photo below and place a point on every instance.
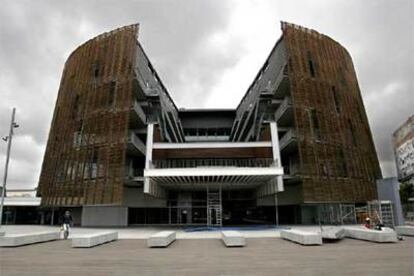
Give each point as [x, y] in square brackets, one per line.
[405, 230]
[233, 238]
[90, 240]
[333, 233]
[161, 239]
[2, 233]
[385, 235]
[302, 237]
[30, 238]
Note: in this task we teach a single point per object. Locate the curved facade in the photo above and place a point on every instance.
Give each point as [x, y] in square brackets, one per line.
[84, 161]
[337, 156]
[120, 149]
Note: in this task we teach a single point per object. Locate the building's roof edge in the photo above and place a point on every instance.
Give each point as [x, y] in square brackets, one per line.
[157, 76]
[260, 70]
[134, 26]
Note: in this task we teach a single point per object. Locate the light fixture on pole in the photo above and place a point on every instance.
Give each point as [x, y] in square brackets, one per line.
[8, 139]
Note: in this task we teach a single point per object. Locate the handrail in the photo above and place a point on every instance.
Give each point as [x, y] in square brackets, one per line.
[290, 135]
[286, 103]
[193, 163]
[136, 141]
[140, 112]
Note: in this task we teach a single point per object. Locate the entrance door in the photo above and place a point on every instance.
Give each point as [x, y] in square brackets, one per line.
[214, 208]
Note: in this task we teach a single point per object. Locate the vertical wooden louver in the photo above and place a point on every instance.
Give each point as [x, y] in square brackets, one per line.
[341, 165]
[84, 161]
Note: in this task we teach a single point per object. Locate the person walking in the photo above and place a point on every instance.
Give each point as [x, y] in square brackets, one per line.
[67, 222]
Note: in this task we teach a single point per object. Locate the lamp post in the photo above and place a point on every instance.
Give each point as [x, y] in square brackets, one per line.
[7, 139]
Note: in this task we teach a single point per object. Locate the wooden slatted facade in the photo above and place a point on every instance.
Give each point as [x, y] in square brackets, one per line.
[85, 156]
[340, 164]
[309, 74]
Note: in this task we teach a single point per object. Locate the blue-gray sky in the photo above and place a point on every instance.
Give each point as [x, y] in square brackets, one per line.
[206, 52]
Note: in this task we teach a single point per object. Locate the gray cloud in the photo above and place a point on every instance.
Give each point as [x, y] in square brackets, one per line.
[37, 36]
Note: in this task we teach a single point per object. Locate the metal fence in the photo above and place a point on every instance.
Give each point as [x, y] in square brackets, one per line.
[336, 213]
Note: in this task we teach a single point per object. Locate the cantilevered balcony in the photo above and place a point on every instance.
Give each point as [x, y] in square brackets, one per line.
[135, 145]
[198, 173]
[284, 114]
[198, 165]
[280, 87]
[137, 116]
[288, 143]
[134, 176]
[227, 162]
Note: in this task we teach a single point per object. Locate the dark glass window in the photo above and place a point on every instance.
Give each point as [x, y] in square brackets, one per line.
[76, 107]
[112, 93]
[336, 99]
[315, 124]
[95, 70]
[352, 131]
[343, 171]
[311, 65]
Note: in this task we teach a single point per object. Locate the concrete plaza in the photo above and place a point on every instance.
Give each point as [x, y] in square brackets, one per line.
[208, 256]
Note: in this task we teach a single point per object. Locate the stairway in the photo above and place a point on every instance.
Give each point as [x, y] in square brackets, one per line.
[214, 208]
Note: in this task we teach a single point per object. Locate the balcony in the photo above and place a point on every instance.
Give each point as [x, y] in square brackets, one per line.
[200, 173]
[137, 116]
[283, 88]
[288, 143]
[135, 145]
[134, 176]
[196, 163]
[280, 88]
[284, 114]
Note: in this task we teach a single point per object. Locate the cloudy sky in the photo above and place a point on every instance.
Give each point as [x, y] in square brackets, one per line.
[206, 52]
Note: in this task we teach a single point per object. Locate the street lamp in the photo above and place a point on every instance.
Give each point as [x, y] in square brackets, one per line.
[8, 140]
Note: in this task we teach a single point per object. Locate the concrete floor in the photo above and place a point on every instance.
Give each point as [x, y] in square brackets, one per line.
[262, 256]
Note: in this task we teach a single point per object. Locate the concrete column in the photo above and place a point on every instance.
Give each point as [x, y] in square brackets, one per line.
[276, 154]
[148, 156]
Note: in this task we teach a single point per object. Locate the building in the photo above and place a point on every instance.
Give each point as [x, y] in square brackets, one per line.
[403, 141]
[120, 152]
[21, 206]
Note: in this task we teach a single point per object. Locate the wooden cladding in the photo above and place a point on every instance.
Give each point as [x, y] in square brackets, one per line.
[337, 156]
[160, 154]
[85, 155]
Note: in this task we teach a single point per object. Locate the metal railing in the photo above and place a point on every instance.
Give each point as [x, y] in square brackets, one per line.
[283, 75]
[134, 140]
[133, 172]
[193, 163]
[287, 138]
[292, 169]
[286, 103]
[140, 113]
